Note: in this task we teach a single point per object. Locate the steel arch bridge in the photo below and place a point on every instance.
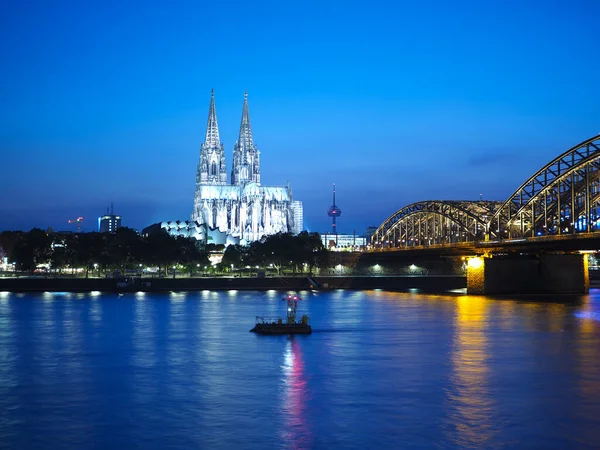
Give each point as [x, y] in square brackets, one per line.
[435, 222]
[562, 198]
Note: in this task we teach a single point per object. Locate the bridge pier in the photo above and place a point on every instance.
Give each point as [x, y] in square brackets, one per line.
[527, 274]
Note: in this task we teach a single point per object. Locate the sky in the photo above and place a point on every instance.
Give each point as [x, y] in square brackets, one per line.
[394, 102]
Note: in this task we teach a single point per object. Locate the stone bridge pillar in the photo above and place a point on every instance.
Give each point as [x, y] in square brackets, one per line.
[542, 274]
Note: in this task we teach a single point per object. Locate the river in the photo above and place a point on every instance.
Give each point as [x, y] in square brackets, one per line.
[381, 370]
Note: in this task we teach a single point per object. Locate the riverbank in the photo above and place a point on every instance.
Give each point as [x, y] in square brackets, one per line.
[422, 283]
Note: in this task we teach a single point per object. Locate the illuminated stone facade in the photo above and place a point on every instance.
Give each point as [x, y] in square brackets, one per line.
[244, 210]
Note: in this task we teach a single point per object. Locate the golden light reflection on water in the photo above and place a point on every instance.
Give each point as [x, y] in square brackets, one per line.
[296, 431]
[471, 405]
[542, 316]
[586, 314]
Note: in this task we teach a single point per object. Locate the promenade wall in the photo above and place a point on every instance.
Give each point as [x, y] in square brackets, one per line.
[430, 284]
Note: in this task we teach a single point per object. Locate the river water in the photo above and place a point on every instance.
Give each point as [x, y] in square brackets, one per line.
[381, 370]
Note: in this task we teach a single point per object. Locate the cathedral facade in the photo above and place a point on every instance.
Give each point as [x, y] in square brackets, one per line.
[243, 210]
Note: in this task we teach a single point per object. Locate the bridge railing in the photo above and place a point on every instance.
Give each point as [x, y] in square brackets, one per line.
[552, 238]
[420, 247]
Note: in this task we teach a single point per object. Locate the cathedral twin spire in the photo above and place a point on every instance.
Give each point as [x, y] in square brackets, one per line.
[211, 167]
[246, 156]
[212, 127]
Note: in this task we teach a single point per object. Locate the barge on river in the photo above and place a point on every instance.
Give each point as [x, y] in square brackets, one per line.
[289, 325]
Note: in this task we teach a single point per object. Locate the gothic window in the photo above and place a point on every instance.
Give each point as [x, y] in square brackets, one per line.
[214, 217]
[213, 169]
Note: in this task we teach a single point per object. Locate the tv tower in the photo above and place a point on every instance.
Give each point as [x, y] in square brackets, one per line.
[334, 212]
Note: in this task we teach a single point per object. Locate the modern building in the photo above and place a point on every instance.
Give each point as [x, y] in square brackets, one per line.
[190, 229]
[342, 241]
[244, 209]
[110, 222]
[298, 214]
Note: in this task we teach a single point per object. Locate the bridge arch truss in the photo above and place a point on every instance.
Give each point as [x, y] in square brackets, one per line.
[563, 197]
[435, 222]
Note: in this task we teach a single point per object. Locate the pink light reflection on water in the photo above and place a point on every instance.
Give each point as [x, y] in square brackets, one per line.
[296, 433]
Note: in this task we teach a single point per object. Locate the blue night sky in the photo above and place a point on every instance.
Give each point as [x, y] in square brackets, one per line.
[395, 102]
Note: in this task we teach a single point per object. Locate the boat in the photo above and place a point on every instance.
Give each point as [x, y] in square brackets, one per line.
[267, 325]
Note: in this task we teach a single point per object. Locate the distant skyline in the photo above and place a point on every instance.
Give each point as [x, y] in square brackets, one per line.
[394, 102]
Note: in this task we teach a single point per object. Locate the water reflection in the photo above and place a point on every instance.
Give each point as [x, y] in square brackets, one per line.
[48, 338]
[73, 367]
[8, 352]
[471, 405]
[144, 349]
[95, 311]
[177, 353]
[382, 370]
[212, 323]
[588, 355]
[296, 432]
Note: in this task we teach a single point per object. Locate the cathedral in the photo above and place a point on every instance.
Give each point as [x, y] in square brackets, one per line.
[242, 210]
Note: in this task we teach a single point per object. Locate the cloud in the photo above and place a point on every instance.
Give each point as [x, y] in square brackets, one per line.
[491, 158]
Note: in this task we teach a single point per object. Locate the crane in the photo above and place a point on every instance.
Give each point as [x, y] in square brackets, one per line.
[78, 221]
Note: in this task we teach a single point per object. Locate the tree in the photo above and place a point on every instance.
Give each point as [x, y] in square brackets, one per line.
[8, 241]
[279, 250]
[90, 248]
[311, 248]
[127, 247]
[233, 256]
[32, 250]
[160, 250]
[190, 254]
